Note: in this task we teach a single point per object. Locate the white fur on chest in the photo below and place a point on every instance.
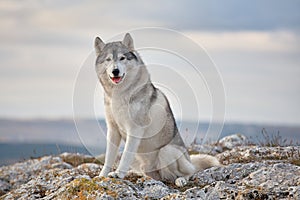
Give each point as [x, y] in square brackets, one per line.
[124, 113]
[129, 116]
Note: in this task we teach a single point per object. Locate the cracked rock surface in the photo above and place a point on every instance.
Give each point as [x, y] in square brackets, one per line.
[248, 172]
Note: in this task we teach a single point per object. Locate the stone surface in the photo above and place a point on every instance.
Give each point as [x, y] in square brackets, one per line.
[249, 172]
[226, 143]
[244, 154]
[251, 180]
[232, 141]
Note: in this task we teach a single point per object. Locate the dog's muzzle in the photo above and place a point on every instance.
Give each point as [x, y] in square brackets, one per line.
[116, 78]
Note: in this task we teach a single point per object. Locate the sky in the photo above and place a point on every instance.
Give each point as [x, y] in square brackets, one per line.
[255, 46]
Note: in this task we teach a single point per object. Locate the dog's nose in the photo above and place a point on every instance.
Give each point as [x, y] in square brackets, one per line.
[116, 72]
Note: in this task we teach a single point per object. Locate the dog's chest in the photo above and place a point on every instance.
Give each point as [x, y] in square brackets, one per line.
[127, 114]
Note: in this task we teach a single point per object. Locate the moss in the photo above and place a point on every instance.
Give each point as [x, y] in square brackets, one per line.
[193, 152]
[77, 159]
[295, 162]
[79, 185]
[82, 188]
[133, 178]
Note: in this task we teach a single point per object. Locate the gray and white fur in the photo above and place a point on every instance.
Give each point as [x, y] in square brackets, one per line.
[139, 113]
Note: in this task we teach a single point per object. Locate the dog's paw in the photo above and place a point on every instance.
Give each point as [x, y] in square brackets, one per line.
[104, 172]
[180, 182]
[115, 175]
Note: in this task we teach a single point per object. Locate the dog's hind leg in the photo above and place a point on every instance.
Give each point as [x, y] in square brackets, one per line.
[175, 165]
[186, 168]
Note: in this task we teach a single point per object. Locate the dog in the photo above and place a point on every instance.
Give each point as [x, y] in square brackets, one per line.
[139, 113]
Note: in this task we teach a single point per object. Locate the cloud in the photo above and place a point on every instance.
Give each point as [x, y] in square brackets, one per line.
[215, 16]
[255, 44]
[180, 15]
[255, 41]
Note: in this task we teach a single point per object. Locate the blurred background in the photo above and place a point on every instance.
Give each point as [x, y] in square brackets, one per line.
[255, 46]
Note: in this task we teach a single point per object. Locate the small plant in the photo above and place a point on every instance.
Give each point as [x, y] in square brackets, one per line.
[272, 140]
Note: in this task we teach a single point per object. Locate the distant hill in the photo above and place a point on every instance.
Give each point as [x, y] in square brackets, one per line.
[16, 152]
[21, 139]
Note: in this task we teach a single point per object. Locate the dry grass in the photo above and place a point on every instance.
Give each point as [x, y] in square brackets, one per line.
[272, 140]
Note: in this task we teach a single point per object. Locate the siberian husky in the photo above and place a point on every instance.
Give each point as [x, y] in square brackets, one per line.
[139, 113]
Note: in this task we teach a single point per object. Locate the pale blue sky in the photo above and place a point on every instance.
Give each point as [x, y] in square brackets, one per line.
[255, 45]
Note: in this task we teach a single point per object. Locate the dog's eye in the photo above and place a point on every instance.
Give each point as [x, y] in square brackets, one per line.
[130, 56]
[108, 59]
[122, 58]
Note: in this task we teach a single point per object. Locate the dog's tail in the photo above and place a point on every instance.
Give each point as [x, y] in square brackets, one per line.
[204, 161]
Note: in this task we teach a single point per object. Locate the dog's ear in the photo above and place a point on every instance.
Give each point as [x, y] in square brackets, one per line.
[128, 41]
[99, 45]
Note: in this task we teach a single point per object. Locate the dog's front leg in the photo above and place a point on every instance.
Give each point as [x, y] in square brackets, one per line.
[112, 147]
[132, 143]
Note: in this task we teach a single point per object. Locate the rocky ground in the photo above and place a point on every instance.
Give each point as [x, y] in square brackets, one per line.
[248, 172]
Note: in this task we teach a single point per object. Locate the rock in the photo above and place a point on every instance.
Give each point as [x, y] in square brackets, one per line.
[249, 172]
[4, 187]
[108, 188]
[251, 180]
[246, 154]
[90, 169]
[20, 173]
[112, 188]
[155, 189]
[230, 174]
[229, 142]
[226, 143]
[195, 193]
[192, 193]
[62, 165]
[78, 159]
[212, 149]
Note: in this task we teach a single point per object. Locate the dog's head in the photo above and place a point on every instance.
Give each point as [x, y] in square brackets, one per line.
[115, 59]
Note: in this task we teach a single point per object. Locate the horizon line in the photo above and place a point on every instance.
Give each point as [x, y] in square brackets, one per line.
[200, 121]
